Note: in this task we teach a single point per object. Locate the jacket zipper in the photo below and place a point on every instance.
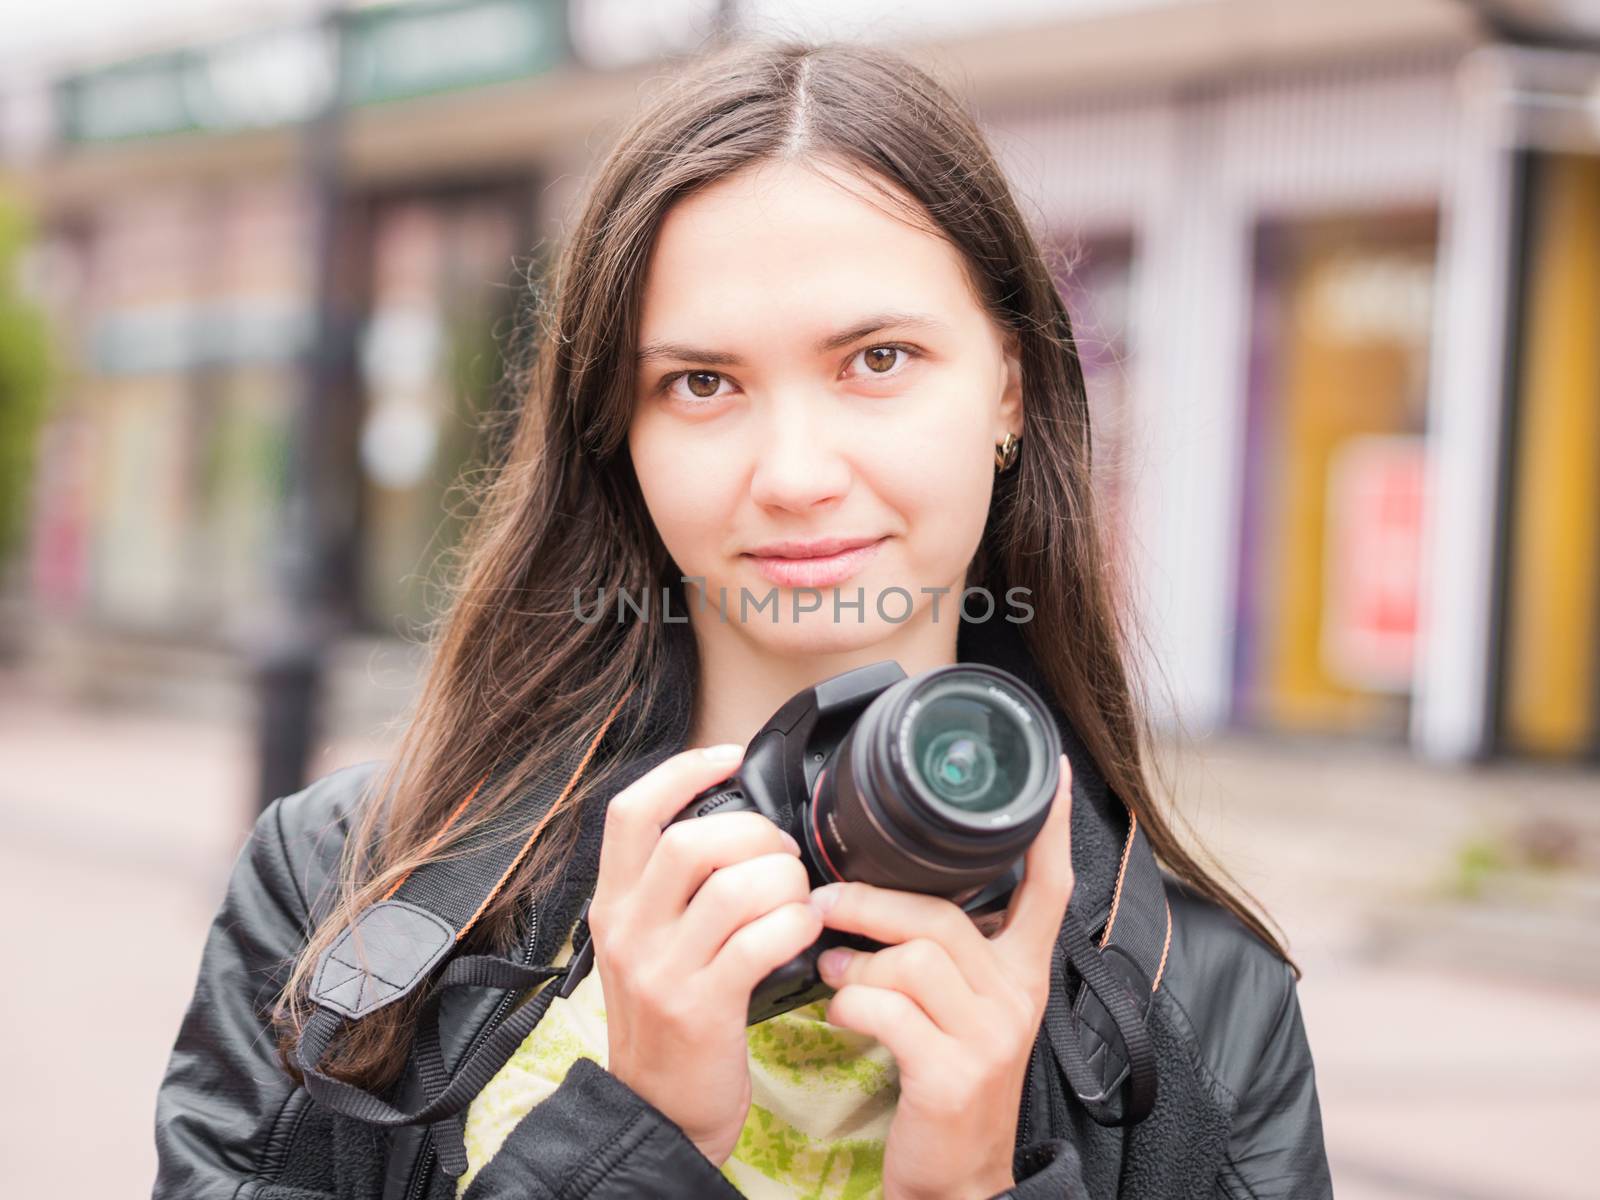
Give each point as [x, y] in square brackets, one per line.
[1025, 1124]
[429, 1156]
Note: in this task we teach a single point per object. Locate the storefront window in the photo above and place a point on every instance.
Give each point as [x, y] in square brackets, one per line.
[441, 290]
[1334, 481]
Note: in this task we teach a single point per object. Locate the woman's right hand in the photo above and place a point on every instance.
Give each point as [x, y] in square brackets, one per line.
[685, 922]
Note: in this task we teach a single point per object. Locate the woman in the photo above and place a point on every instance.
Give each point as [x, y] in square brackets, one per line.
[800, 338]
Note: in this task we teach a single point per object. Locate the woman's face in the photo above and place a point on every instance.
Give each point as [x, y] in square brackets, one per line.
[813, 368]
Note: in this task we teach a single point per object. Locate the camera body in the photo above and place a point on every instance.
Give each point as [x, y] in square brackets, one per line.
[935, 783]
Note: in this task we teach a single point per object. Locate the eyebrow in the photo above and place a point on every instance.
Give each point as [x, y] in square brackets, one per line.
[652, 351]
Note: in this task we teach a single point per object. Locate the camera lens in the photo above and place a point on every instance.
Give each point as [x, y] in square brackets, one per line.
[940, 784]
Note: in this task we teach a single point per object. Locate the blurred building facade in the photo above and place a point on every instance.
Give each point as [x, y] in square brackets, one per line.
[1335, 271]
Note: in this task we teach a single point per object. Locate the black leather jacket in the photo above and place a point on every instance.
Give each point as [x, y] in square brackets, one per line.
[1235, 1111]
[230, 1125]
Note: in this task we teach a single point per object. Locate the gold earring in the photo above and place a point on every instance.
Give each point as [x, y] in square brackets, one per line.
[1005, 452]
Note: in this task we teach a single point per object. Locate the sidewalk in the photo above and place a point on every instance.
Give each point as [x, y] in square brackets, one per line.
[1452, 1064]
[1443, 1076]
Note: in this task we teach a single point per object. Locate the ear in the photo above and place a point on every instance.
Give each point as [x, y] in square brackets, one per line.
[1010, 413]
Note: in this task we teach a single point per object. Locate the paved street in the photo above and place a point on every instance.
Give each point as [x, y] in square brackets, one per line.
[1442, 1077]
[1446, 1072]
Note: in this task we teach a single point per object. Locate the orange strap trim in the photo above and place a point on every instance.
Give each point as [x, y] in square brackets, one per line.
[1165, 946]
[533, 836]
[439, 836]
[1122, 872]
[1116, 900]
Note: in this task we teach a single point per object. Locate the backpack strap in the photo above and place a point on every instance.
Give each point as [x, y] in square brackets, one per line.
[395, 945]
[1101, 1042]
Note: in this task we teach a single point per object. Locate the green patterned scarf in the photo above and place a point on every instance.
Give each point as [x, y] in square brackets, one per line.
[822, 1098]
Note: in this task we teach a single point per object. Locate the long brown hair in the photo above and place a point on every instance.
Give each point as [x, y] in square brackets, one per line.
[515, 677]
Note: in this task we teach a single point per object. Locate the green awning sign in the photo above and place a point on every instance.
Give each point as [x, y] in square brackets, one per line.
[392, 53]
[279, 77]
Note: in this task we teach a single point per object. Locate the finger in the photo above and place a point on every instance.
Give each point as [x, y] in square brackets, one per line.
[892, 916]
[636, 814]
[921, 969]
[1034, 917]
[755, 949]
[894, 1019]
[688, 853]
[733, 897]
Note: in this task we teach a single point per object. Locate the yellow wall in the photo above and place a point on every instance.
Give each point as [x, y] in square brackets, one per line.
[1554, 589]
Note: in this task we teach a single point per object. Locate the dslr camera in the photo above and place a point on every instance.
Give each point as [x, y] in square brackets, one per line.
[935, 783]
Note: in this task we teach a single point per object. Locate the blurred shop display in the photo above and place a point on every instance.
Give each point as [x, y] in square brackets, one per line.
[1334, 471]
[440, 289]
[189, 313]
[24, 383]
[1332, 269]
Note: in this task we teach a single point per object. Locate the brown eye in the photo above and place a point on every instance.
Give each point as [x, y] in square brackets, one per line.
[703, 383]
[880, 358]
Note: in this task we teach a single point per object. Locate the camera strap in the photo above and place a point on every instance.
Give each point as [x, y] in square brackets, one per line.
[1100, 1041]
[393, 946]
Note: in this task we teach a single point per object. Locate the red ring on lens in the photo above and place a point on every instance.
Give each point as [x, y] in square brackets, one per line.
[816, 832]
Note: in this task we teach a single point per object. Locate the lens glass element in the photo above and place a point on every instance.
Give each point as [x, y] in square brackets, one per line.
[969, 750]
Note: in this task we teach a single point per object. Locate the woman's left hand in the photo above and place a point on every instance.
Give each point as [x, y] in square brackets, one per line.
[958, 1011]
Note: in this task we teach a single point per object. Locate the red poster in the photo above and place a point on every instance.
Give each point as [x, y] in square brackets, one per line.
[1369, 615]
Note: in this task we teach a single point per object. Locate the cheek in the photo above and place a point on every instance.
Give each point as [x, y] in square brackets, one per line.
[690, 491]
[940, 481]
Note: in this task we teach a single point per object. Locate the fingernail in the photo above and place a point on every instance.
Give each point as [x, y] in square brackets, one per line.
[726, 753]
[794, 846]
[824, 898]
[833, 962]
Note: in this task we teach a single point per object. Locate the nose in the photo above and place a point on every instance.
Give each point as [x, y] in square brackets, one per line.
[800, 465]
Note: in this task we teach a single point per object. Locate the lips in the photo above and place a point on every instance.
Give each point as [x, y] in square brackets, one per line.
[820, 562]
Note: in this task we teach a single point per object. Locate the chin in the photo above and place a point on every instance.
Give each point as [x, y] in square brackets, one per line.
[818, 633]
